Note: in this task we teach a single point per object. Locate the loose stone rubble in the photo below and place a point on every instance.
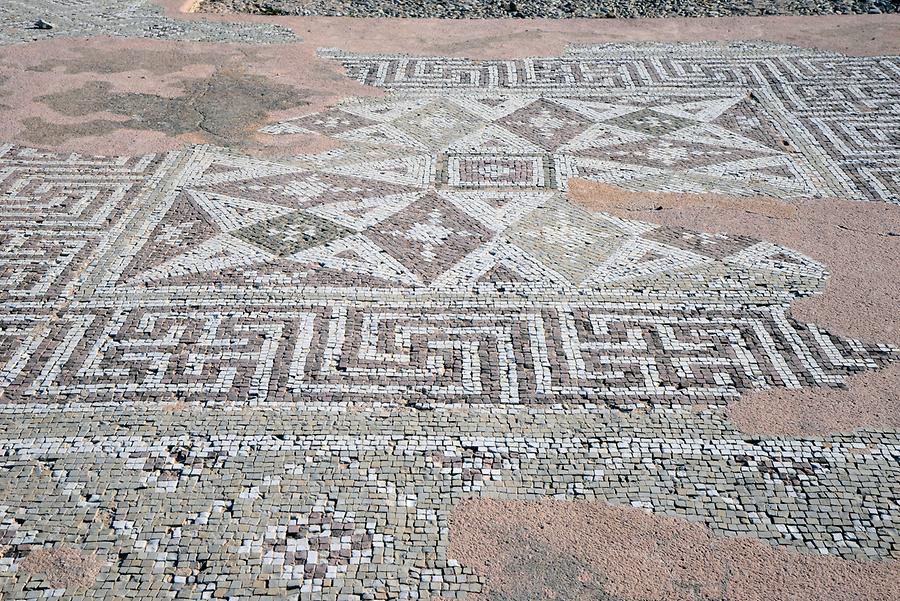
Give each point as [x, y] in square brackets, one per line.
[121, 18]
[230, 377]
[546, 9]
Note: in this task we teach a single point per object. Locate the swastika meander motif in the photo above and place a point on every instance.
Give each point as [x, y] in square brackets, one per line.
[329, 278]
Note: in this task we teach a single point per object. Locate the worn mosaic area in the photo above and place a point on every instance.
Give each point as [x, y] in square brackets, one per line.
[748, 119]
[238, 339]
[320, 502]
[231, 377]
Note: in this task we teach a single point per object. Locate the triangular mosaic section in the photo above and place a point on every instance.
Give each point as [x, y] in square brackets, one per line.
[184, 226]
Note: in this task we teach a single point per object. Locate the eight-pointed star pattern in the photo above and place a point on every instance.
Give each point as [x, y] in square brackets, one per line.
[667, 142]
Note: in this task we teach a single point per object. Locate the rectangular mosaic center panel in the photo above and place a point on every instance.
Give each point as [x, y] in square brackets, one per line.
[485, 171]
[237, 280]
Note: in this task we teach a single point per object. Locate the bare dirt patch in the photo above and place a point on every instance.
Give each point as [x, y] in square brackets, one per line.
[218, 109]
[63, 567]
[871, 400]
[553, 549]
[105, 96]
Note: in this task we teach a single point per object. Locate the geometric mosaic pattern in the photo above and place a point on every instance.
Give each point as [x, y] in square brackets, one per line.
[685, 142]
[245, 280]
[336, 504]
[744, 119]
[238, 378]
[394, 353]
[56, 211]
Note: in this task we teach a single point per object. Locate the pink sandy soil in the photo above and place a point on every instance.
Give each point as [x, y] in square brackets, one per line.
[63, 567]
[513, 38]
[318, 83]
[634, 555]
[871, 401]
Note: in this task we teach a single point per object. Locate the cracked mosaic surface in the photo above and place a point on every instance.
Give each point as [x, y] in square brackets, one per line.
[239, 378]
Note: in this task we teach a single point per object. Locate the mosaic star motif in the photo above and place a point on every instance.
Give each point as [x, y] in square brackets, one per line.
[742, 119]
[338, 249]
[388, 232]
[687, 142]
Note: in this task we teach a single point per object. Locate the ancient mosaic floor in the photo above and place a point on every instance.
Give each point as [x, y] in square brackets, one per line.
[239, 378]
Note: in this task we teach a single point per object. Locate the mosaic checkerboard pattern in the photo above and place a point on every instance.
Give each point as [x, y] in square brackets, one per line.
[239, 378]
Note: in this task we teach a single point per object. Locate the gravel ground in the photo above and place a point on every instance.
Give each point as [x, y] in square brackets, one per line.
[552, 9]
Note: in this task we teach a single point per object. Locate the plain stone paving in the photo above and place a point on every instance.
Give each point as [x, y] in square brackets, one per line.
[240, 378]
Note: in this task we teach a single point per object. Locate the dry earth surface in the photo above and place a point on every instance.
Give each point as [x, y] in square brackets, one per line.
[581, 550]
